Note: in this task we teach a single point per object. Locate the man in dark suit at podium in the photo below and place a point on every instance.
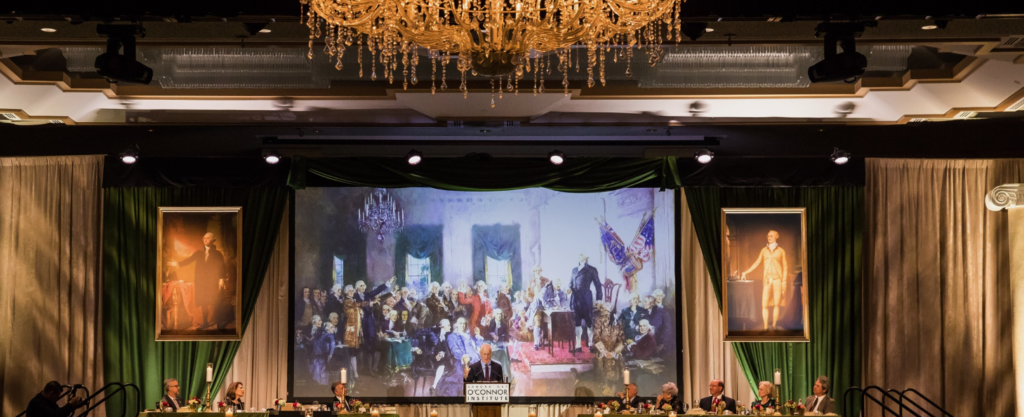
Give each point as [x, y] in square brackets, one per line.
[485, 370]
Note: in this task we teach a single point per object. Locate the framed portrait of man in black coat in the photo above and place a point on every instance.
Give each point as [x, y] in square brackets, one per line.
[199, 270]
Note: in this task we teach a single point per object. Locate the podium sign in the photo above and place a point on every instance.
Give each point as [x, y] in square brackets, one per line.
[487, 393]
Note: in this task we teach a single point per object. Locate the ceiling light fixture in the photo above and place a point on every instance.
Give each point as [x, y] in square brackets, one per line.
[496, 38]
[129, 156]
[271, 156]
[124, 67]
[265, 31]
[704, 156]
[556, 157]
[847, 65]
[840, 156]
[255, 27]
[414, 157]
[709, 30]
[694, 30]
[938, 24]
[48, 30]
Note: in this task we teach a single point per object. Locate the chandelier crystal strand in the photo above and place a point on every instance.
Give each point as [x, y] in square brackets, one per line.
[492, 37]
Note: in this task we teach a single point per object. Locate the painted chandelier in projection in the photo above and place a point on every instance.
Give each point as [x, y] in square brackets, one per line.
[497, 38]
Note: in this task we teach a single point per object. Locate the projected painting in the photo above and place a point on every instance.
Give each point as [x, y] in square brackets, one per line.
[401, 287]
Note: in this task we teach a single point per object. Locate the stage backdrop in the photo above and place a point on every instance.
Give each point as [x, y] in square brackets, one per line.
[527, 271]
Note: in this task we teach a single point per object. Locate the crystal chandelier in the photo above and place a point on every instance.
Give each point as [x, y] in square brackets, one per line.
[380, 214]
[504, 39]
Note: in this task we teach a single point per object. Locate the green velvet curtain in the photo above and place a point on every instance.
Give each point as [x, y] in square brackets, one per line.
[131, 353]
[420, 241]
[835, 218]
[579, 175]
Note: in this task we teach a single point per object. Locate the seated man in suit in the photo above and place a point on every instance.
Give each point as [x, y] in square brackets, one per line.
[339, 392]
[484, 370]
[820, 402]
[44, 404]
[171, 397]
[716, 388]
[629, 399]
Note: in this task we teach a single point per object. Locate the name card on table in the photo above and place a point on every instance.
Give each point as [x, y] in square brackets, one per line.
[487, 393]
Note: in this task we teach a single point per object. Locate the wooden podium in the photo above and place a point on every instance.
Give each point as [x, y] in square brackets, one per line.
[486, 398]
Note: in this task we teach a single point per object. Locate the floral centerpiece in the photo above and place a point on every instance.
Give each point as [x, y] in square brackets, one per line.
[220, 405]
[614, 405]
[757, 409]
[646, 407]
[667, 407]
[800, 410]
[164, 405]
[192, 403]
[279, 403]
[357, 405]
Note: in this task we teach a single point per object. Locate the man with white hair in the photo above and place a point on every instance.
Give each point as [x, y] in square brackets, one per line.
[210, 273]
[583, 277]
[436, 305]
[362, 295]
[484, 370]
[661, 320]
[643, 347]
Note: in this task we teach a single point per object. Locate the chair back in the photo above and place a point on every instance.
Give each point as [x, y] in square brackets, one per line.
[611, 293]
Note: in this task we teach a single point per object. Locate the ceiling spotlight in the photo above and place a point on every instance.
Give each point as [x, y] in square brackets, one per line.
[48, 30]
[703, 156]
[414, 157]
[694, 30]
[938, 24]
[556, 157]
[846, 66]
[271, 156]
[709, 30]
[129, 156]
[254, 28]
[840, 156]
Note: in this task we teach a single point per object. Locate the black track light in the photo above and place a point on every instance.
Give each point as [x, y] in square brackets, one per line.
[414, 157]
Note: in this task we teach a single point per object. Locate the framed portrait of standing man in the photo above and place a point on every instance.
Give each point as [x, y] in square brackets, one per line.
[199, 271]
[764, 275]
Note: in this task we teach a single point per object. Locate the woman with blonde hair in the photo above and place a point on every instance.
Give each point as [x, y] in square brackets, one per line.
[766, 393]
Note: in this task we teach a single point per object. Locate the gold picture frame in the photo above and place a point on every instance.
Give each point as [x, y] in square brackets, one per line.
[764, 277]
[199, 274]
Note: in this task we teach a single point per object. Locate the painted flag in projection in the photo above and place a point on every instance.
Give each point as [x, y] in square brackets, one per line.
[643, 244]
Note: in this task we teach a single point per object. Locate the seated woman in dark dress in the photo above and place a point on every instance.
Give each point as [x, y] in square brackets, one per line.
[233, 398]
[766, 393]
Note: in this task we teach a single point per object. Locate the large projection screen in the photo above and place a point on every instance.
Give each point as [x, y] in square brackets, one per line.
[401, 287]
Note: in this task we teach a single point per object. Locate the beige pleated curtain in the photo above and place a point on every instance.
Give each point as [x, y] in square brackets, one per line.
[50, 285]
[706, 356]
[261, 363]
[936, 289]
